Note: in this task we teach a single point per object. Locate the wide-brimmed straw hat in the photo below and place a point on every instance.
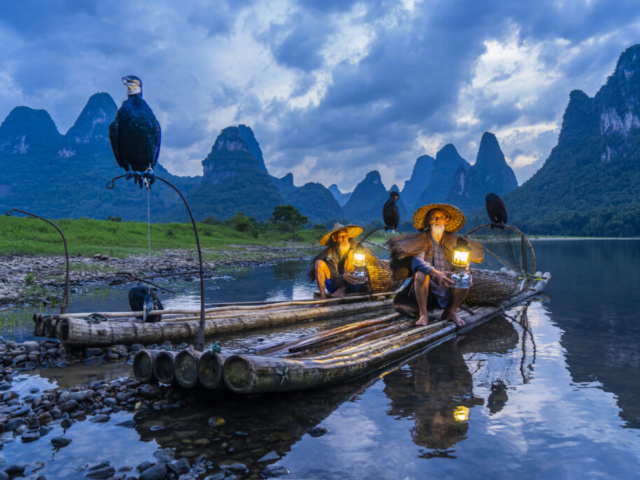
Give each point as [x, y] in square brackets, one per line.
[456, 217]
[352, 230]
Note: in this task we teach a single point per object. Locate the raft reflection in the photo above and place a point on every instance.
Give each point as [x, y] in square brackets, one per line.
[436, 388]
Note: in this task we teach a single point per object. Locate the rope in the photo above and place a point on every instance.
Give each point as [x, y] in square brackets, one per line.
[148, 223]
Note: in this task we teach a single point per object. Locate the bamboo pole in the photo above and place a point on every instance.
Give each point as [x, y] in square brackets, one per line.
[336, 332]
[143, 365]
[210, 369]
[186, 368]
[164, 366]
[80, 333]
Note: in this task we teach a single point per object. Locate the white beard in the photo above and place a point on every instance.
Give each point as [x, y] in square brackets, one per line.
[437, 230]
[343, 250]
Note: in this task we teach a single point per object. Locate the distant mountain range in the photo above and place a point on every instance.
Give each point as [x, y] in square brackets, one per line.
[589, 185]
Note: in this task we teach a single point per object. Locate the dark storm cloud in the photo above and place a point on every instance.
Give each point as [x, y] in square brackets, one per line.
[415, 70]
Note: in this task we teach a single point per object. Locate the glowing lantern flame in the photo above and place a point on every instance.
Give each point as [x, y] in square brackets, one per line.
[461, 414]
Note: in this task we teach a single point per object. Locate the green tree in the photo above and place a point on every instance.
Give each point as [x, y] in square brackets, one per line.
[288, 218]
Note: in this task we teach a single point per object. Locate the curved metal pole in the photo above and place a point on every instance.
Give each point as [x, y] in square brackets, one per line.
[199, 340]
[65, 297]
[375, 230]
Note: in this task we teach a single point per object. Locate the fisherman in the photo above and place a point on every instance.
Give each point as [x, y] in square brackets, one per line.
[333, 268]
[427, 257]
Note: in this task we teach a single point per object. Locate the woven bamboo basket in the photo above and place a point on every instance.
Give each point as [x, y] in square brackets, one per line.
[491, 287]
[381, 277]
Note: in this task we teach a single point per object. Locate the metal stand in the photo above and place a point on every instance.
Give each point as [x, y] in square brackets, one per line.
[65, 297]
[198, 343]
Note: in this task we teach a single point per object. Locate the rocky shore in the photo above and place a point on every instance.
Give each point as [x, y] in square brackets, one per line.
[27, 280]
[33, 417]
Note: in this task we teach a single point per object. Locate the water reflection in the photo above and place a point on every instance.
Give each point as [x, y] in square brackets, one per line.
[436, 389]
[594, 305]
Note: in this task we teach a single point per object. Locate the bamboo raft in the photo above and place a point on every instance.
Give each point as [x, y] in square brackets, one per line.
[320, 360]
[124, 328]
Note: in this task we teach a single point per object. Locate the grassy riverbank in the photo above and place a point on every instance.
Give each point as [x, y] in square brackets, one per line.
[119, 239]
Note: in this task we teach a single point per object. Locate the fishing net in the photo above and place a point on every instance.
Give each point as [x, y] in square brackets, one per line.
[505, 247]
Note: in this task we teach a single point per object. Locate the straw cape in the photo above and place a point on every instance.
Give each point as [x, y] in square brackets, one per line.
[352, 230]
[456, 217]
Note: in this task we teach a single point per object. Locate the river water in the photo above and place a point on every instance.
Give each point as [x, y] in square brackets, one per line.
[552, 389]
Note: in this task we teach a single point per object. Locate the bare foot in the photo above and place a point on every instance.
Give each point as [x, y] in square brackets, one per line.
[339, 293]
[453, 317]
[422, 321]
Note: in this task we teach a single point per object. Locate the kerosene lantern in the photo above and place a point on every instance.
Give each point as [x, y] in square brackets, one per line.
[461, 259]
[360, 272]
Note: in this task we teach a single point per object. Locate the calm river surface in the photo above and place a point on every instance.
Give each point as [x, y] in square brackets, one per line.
[553, 391]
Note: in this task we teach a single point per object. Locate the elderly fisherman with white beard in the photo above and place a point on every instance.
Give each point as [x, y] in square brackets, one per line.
[332, 268]
[427, 256]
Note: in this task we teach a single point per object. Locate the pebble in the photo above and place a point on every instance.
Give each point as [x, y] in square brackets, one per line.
[100, 473]
[60, 441]
[100, 419]
[318, 431]
[68, 406]
[157, 472]
[274, 471]
[269, 456]
[29, 437]
[232, 466]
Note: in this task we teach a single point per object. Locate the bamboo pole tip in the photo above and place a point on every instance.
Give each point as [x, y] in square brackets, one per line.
[239, 374]
[143, 366]
[186, 368]
[210, 370]
[163, 368]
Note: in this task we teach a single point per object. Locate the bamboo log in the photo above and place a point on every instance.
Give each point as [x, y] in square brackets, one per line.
[38, 330]
[143, 364]
[210, 369]
[241, 307]
[186, 368]
[80, 333]
[164, 366]
[49, 327]
[247, 373]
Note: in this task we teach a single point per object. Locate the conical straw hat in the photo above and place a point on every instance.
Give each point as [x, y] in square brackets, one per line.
[456, 217]
[352, 230]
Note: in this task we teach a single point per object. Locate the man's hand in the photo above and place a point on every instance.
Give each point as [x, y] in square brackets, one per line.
[349, 278]
[443, 277]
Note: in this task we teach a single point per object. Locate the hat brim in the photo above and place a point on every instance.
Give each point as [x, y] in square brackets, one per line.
[352, 230]
[456, 217]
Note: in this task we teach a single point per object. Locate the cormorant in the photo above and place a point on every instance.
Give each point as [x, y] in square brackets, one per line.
[141, 299]
[135, 134]
[390, 213]
[496, 210]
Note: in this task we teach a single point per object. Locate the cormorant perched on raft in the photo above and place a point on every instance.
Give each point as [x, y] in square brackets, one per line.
[135, 134]
[496, 210]
[390, 213]
[141, 299]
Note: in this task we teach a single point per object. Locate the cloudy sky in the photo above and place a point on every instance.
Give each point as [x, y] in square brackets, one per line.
[332, 88]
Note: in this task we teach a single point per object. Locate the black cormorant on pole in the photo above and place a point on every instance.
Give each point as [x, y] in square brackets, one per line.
[142, 299]
[390, 213]
[135, 139]
[135, 134]
[496, 210]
